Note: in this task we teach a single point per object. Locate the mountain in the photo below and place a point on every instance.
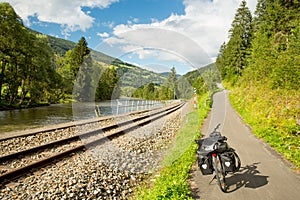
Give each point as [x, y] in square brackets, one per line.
[193, 75]
[131, 75]
[61, 46]
[166, 74]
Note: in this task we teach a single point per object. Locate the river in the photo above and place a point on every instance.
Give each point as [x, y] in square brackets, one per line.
[20, 119]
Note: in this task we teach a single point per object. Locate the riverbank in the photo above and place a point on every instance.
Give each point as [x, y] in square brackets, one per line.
[99, 172]
[6, 106]
[21, 119]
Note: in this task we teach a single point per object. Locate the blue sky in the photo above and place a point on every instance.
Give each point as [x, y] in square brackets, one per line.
[122, 12]
[155, 34]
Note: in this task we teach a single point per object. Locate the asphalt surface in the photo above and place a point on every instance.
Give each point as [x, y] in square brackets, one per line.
[264, 174]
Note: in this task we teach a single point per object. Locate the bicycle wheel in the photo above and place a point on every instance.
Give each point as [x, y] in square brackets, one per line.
[238, 161]
[220, 174]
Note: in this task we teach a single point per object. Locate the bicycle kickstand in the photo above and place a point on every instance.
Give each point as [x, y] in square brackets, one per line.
[215, 177]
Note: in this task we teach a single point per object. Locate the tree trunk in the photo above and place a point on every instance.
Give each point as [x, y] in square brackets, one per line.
[24, 92]
[2, 78]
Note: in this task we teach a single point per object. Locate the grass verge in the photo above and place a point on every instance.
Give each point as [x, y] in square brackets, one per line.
[271, 114]
[171, 181]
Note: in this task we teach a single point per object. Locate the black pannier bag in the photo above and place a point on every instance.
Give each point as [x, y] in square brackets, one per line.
[215, 141]
[205, 147]
[228, 161]
[205, 163]
[222, 146]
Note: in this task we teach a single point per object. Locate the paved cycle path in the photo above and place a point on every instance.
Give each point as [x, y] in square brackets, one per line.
[263, 175]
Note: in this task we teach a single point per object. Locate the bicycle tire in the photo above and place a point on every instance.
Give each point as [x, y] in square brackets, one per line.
[238, 161]
[220, 174]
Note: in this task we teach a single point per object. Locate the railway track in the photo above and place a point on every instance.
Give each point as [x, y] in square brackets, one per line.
[18, 141]
[38, 156]
[57, 127]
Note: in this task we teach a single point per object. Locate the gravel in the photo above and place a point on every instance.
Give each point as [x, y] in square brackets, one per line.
[108, 171]
[22, 143]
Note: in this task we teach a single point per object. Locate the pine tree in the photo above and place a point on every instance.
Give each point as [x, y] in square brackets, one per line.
[171, 84]
[220, 61]
[108, 85]
[275, 57]
[83, 90]
[78, 55]
[234, 56]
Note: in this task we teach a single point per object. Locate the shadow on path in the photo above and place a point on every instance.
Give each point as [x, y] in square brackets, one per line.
[248, 177]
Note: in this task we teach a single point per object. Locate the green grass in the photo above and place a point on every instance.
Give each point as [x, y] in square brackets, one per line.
[171, 181]
[278, 130]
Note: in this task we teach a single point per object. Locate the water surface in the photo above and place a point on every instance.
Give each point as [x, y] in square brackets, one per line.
[20, 119]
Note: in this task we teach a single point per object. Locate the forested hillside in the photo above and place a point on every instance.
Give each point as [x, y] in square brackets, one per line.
[61, 46]
[37, 69]
[204, 78]
[261, 65]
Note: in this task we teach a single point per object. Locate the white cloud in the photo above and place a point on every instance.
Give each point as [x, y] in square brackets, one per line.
[206, 22]
[109, 24]
[152, 41]
[103, 35]
[67, 13]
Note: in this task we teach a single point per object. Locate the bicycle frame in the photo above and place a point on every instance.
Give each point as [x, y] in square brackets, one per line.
[223, 158]
[219, 167]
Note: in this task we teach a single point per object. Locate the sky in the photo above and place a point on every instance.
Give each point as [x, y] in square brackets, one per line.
[153, 34]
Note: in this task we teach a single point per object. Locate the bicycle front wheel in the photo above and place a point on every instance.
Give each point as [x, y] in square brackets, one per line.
[220, 174]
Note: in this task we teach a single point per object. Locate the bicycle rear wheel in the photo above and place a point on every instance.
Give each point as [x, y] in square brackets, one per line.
[220, 174]
[238, 161]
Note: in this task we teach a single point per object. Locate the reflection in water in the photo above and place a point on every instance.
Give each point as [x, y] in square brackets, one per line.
[61, 113]
[54, 114]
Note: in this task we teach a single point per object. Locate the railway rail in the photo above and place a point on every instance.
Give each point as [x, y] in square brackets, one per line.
[56, 127]
[42, 155]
